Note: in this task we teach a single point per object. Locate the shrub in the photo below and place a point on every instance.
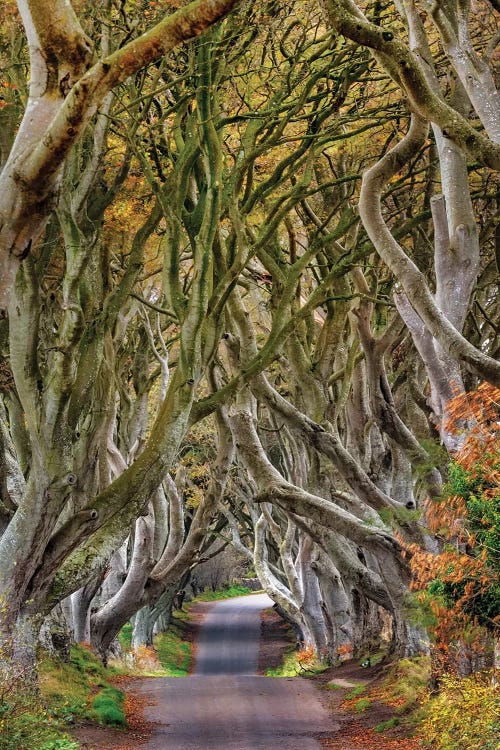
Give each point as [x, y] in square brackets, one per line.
[459, 587]
[405, 685]
[25, 723]
[464, 716]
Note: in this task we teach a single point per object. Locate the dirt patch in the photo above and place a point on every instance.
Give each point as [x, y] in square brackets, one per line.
[275, 640]
[357, 726]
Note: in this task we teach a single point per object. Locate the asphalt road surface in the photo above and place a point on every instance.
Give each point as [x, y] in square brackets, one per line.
[224, 705]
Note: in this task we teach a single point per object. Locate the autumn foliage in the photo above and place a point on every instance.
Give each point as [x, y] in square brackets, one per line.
[477, 699]
[460, 586]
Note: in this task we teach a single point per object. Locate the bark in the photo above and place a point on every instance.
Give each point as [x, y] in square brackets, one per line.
[451, 19]
[153, 619]
[107, 621]
[407, 273]
[272, 585]
[81, 601]
[335, 604]
[384, 408]
[313, 612]
[273, 488]
[155, 571]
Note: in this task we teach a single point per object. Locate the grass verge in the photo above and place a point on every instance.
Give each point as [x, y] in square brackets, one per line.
[174, 653]
[79, 690]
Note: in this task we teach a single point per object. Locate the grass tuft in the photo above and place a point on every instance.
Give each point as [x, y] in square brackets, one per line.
[297, 663]
[362, 705]
[355, 692]
[108, 707]
[406, 683]
[389, 724]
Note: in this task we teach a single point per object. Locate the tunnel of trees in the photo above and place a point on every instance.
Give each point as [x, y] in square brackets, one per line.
[249, 292]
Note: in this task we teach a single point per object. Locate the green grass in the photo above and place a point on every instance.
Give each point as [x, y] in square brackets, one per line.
[125, 637]
[68, 689]
[40, 721]
[174, 653]
[389, 724]
[293, 667]
[289, 668]
[27, 724]
[407, 681]
[108, 707]
[355, 692]
[362, 705]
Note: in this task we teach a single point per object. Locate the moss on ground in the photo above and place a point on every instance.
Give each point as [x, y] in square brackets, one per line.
[108, 707]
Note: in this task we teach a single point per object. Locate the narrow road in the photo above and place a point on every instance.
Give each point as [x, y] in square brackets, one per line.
[224, 705]
[229, 637]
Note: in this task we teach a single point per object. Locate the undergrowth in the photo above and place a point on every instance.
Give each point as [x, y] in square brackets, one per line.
[108, 707]
[39, 719]
[355, 692]
[405, 685]
[464, 716]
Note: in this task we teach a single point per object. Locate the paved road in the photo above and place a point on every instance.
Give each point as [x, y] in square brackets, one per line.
[224, 706]
[229, 637]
